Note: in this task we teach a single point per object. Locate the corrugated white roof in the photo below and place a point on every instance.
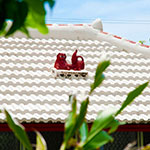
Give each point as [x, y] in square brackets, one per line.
[32, 94]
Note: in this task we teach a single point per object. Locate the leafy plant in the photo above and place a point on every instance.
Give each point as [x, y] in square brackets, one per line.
[143, 41]
[77, 136]
[18, 130]
[23, 14]
[21, 135]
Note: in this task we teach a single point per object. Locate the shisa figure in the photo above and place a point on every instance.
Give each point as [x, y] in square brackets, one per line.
[62, 64]
[76, 63]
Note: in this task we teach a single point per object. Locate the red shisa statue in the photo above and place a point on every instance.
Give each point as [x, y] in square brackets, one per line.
[62, 64]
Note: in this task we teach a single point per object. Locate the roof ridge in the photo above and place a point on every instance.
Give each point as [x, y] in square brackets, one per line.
[67, 24]
[130, 41]
[115, 36]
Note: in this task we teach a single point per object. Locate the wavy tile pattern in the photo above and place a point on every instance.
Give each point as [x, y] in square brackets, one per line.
[29, 91]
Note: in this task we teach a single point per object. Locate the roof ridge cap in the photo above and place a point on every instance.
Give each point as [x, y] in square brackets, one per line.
[130, 41]
[96, 24]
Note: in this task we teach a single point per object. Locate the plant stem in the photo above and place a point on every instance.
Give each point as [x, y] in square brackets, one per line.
[142, 141]
[138, 139]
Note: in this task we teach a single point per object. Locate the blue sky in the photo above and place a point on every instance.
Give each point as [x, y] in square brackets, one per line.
[126, 18]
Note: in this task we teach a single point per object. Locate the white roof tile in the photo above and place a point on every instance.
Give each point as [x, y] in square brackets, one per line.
[32, 94]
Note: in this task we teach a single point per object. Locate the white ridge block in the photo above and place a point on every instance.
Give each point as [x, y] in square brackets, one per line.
[69, 74]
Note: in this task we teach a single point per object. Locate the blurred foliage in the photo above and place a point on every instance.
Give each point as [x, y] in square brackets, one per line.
[18, 130]
[132, 146]
[144, 42]
[147, 147]
[77, 135]
[23, 14]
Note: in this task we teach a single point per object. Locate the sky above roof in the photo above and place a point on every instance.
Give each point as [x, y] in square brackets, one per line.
[126, 18]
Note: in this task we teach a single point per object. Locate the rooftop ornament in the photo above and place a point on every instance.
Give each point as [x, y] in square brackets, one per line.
[65, 70]
[61, 63]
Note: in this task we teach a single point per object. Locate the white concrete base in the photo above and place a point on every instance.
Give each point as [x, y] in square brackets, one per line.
[69, 74]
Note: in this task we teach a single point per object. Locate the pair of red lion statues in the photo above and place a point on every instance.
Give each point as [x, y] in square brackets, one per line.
[62, 64]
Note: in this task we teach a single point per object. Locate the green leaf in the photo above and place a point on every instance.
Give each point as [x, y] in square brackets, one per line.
[70, 122]
[83, 131]
[39, 9]
[19, 17]
[142, 42]
[113, 126]
[82, 113]
[18, 131]
[99, 77]
[10, 8]
[36, 16]
[99, 140]
[2, 31]
[51, 3]
[2, 17]
[2, 21]
[40, 142]
[131, 96]
[102, 121]
[74, 121]
[7, 9]
[25, 31]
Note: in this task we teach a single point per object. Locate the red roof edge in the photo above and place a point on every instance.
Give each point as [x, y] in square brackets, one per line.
[65, 24]
[59, 127]
[132, 42]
